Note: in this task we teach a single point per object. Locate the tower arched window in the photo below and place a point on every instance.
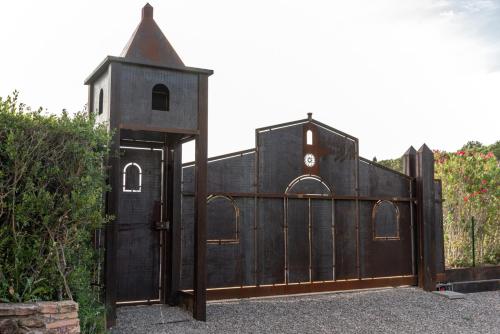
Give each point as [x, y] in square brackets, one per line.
[132, 178]
[101, 102]
[160, 98]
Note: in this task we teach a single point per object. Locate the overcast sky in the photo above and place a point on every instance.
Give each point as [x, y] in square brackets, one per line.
[392, 73]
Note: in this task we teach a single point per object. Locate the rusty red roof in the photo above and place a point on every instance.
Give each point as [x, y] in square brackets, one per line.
[148, 43]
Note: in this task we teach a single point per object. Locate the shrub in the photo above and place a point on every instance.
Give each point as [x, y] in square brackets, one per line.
[51, 202]
[471, 188]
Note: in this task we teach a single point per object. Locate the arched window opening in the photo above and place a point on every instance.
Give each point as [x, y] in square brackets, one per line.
[385, 221]
[101, 102]
[309, 137]
[160, 98]
[132, 178]
[222, 220]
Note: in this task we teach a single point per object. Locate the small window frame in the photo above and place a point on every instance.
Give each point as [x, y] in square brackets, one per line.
[160, 98]
[124, 187]
[374, 215]
[236, 237]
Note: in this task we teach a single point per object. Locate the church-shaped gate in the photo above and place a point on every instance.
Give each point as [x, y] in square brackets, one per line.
[308, 214]
[300, 212]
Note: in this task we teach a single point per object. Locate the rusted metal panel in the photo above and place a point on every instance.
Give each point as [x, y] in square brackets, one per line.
[232, 174]
[138, 242]
[473, 274]
[380, 182]
[337, 163]
[322, 240]
[298, 237]
[270, 241]
[385, 256]
[136, 86]
[285, 289]
[345, 240]
[275, 174]
[426, 218]
[223, 264]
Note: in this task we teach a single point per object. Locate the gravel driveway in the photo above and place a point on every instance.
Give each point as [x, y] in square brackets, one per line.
[394, 310]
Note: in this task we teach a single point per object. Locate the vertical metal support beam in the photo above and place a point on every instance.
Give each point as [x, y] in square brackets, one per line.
[200, 212]
[310, 239]
[257, 213]
[358, 243]
[115, 183]
[166, 237]
[175, 226]
[426, 218]
[409, 168]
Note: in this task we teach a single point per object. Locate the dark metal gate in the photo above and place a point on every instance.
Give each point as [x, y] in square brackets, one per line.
[138, 252]
[307, 213]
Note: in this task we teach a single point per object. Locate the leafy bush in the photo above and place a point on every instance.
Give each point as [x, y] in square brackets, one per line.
[471, 188]
[51, 202]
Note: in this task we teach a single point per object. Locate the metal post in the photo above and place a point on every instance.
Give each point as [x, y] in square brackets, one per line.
[200, 213]
[473, 242]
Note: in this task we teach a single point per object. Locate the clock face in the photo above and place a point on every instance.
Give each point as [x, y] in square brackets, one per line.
[309, 160]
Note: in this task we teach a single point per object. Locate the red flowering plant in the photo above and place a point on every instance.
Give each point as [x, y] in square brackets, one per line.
[471, 188]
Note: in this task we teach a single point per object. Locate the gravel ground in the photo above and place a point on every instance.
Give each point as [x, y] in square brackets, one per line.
[398, 310]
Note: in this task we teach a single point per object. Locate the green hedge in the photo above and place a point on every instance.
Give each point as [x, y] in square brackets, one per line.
[52, 182]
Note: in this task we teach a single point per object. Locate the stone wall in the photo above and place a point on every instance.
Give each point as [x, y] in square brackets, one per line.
[39, 318]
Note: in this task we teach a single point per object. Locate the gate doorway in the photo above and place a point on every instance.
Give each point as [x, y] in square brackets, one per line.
[139, 256]
[309, 231]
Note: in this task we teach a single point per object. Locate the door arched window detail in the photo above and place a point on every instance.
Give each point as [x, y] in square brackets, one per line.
[385, 221]
[222, 220]
[101, 102]
[160, 99]
[132, 178]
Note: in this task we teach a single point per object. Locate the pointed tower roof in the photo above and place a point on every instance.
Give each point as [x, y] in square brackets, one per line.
[149, 45]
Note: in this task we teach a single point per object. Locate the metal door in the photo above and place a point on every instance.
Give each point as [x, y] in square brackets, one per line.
[138, 240]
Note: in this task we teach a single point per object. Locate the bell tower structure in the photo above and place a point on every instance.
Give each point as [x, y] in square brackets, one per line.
[152, 103]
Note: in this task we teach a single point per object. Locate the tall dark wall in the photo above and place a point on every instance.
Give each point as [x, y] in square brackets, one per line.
[363, 231]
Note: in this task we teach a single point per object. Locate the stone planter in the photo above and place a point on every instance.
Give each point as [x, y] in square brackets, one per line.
[41, 317]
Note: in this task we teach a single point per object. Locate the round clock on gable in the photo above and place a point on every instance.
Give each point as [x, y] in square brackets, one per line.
[309, 160]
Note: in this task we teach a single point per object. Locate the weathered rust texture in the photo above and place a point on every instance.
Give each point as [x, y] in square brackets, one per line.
[426, 218]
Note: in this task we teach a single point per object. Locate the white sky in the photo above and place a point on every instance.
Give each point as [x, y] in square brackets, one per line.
[393, 73]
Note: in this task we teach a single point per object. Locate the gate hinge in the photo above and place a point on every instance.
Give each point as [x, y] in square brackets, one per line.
[162, 225]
